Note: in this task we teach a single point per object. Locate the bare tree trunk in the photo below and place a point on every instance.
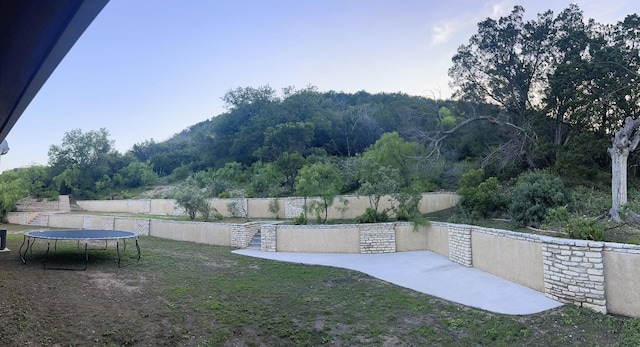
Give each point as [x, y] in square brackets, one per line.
[618, 180]
[625, 141]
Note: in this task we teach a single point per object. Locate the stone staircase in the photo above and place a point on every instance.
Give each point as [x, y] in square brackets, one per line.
[255, 242]
[40, 219]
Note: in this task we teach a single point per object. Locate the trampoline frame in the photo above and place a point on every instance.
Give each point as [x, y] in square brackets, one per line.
[78, 235]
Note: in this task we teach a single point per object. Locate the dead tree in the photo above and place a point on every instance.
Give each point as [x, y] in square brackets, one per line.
[625, 141]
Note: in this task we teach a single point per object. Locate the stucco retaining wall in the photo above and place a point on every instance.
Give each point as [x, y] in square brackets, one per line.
[317, 239]
[259, 208]
[517, 260]
[126, 206]
[290, 207]
[409, 240]
[64, 220]
[200, 232]
[162, 206]
[622, 283]
[438, 238]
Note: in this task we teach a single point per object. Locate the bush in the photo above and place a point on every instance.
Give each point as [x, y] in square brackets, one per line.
[408, 207]
[585, 229]
[301, 219]
[534, 195]
[372, 216]
[479, 199]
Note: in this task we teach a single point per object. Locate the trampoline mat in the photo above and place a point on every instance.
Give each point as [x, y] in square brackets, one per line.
[81, 234]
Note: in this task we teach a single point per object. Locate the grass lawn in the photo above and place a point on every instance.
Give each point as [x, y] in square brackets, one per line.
[187, 294]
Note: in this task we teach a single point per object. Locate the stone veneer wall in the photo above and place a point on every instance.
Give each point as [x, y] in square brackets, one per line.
[293, 207]
[28, 205]
[377, 238]
[241, 234]
[460, 244]
[574, 272]
[268, 237]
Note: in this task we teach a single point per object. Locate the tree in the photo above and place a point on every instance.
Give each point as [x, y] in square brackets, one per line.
[136, 174]
[377, 181]
[12, 188]
[288, 165]
[478, 198]
[322, 180]
[189, 195]
[288, 137]
[505, 64]
[266, 180]
[80, 150]
[81, 160]
[393, 151]
[38, 179]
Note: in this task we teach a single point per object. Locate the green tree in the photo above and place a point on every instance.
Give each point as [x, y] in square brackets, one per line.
[322, 180]
[12, 189]
[506, 63]
[81, 160]
[377, 181]
[479, 198]
[288, 165]
[189, 196]
[38, 178]
[136, 174]
[393, 151]
[288, 137]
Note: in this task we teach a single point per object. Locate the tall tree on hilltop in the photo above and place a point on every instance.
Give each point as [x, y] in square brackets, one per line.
[506, 64]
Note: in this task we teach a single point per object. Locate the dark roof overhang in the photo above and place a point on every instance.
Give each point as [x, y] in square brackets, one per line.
[35, 35]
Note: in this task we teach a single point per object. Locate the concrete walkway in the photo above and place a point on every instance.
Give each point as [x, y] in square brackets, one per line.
[430, 273]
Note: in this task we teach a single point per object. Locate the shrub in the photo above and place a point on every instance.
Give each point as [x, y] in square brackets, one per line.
[585, 229]
[479, 199]
[192, 198]
[372, 216]
[274, 207]
[534, 195]
[301, 219]
[408, 207]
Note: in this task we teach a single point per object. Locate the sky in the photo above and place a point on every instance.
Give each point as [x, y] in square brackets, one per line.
[148, 69]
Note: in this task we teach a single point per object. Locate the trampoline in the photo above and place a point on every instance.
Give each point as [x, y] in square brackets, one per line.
[79, 235]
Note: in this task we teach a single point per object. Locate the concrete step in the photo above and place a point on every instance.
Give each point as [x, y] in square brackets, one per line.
[255, 242]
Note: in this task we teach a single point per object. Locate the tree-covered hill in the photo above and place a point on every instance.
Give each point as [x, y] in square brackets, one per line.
[541, 94]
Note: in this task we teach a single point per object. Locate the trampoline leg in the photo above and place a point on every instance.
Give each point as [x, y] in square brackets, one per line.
[118, 251]
[86, 255]
[86, 258]
[23, 255]
[44, 260]
[138, 247]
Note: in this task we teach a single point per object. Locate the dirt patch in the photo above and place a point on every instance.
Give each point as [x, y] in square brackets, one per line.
[110, 282]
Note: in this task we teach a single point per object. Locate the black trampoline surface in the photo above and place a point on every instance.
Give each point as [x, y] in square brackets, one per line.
[81, 234]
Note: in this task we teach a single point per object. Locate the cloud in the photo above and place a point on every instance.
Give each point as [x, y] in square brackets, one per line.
[441, 32]
[501, 9]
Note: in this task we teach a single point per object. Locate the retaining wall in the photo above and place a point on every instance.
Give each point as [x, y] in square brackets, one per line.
[259, 208]
[601, 276]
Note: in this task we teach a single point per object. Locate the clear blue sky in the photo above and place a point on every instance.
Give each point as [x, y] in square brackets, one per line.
[150, 68]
